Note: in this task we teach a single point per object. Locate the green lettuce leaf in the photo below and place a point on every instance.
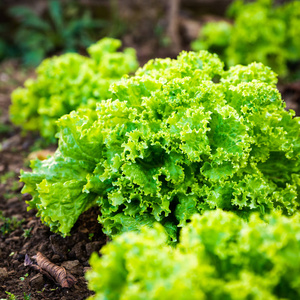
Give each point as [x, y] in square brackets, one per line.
[242, 42]
[69, 82]
[219, 256]
[173, 142]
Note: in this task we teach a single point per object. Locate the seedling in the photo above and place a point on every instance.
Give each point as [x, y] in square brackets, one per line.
[7, 225]
[27, 233]
[26, 297]
[23, 277]
[11, 296]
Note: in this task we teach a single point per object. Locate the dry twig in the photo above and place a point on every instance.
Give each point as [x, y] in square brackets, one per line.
[173, 26]
[52, 271]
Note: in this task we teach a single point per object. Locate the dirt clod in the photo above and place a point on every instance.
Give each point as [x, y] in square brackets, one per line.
[74, 266]
[3, 273]
[59, 246]
[37, 282]
[92, 247]
[79, 251]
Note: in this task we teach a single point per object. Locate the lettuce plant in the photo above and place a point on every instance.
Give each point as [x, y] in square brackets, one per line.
[215, 37]
[68, 82]
[261, 32]
[219, 256]
[181, 136]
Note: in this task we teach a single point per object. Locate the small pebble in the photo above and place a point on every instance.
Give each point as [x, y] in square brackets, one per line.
[37, 282]
[3, 273]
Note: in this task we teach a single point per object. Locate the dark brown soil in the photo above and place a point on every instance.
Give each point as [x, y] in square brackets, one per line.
[71, 252]
[291, 95]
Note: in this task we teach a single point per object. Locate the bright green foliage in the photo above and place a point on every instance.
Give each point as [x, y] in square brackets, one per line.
[219, 257]
[69, 82]
[261, 32]
[214, 36]
[172, 143]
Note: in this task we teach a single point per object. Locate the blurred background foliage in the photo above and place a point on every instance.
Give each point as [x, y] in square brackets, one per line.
[33, 30]
[62, 27]
[32, 33]
[261, 30]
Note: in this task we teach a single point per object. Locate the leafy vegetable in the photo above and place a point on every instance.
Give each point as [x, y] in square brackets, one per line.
[261, 32]
[181, 136]
[215, 37]
[68, 82]
[219, 257]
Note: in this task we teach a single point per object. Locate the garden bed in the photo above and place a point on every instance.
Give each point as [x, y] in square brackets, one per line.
[22, 232]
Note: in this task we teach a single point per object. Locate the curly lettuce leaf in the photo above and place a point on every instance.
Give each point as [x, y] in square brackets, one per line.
[57, 184]
[219, 256]
[173, 142]
[241, 42]
[69, 82]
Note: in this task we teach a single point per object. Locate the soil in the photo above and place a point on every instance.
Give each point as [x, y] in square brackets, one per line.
[291, 95]
[21, 232]
[71, 252]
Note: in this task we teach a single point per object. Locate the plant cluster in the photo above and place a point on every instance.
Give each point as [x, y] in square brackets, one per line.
[219, 256]
[8, 225]
[68, 82]
[180, 137]
[11, 296]
[261, 31]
